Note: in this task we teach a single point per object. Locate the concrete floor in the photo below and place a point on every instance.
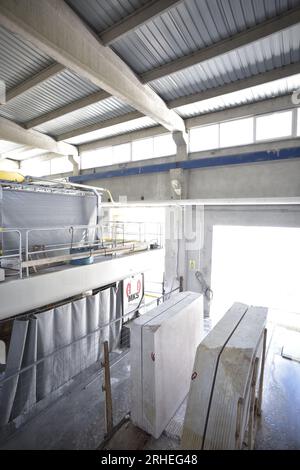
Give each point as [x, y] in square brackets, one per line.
[279, 427]
[76, 420]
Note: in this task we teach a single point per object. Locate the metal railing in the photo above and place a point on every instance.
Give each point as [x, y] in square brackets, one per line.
[62, 244]
[14, 256]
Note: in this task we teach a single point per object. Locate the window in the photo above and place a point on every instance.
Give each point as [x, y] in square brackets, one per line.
[204, 138]
[8, 165]
[35, 167]
[121, 153]
[96, 158]
[60, 165]
[164, 146]
[298, 121]
[274, 126]
[142, 149]
[238, 132]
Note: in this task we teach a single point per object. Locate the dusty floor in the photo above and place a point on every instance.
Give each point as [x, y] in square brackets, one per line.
[75, 421]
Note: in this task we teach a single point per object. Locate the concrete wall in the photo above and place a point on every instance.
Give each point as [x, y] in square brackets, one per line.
[265, 179]
[274, 179]
[271, 179]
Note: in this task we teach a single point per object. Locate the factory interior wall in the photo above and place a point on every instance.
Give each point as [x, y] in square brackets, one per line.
[265, 179]
[275, 179]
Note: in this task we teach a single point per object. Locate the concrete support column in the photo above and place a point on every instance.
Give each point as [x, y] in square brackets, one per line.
[178, 177]
[184, 242]
[174, 252]
[75, 164]
[206, 262]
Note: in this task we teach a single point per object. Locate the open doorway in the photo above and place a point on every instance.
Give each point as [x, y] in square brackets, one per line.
[258, 266]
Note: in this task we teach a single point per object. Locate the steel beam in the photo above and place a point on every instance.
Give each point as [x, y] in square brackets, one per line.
[100, 125]
[147, 12]
[241, 39]
[34, 81]
[235, 159]
[238, 85]
[69, 108]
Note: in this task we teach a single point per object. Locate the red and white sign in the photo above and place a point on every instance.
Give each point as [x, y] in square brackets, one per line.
[133, 291]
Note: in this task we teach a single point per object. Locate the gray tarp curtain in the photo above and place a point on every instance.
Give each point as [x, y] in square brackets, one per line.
[52, 333]
[36, 209]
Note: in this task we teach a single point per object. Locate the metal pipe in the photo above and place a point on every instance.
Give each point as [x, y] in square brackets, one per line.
[94, 189]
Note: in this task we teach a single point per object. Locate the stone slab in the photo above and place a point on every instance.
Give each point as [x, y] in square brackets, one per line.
[163, 347]
[221, 375]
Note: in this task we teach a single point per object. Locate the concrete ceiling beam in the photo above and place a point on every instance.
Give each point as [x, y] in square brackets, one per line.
[14, 133]
[57, 31]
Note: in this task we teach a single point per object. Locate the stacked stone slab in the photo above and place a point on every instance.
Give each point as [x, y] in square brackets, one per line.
[222, 375]
[163, 347]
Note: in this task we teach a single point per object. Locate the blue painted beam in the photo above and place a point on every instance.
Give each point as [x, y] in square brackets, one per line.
[253, 157]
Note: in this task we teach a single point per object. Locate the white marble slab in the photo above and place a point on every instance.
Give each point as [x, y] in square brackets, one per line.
[223, 365]
[163, 347]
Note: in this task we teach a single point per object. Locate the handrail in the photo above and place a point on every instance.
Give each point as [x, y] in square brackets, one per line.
[19, 254]
[107, 236]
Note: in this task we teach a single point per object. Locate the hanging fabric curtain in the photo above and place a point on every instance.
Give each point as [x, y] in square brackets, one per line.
[48, 350]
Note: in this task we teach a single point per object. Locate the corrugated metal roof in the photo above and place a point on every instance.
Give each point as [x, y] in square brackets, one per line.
[19, 60]
[96, 113]
[192, 25]
[280, 49]
[238, 98]
[58, 91]
[130, 126]
[101, 14]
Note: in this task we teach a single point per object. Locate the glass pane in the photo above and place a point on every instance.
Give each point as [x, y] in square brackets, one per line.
[121, 153]
[204, 138]
[164, 145]
[34, 167]
[60, 165]
[274, 126]
[238, 132]
[142, 149]
[96, 158]
[8, 165]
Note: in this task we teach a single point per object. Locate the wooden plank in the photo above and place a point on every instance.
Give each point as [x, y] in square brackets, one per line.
[107, 389]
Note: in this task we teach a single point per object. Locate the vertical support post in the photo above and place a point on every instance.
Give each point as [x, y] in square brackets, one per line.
[181, 284]
[20, 255]
[107, 389]
[75, 165]
[238, 432]
[261, 378]
[251, 424]
[27, 251]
